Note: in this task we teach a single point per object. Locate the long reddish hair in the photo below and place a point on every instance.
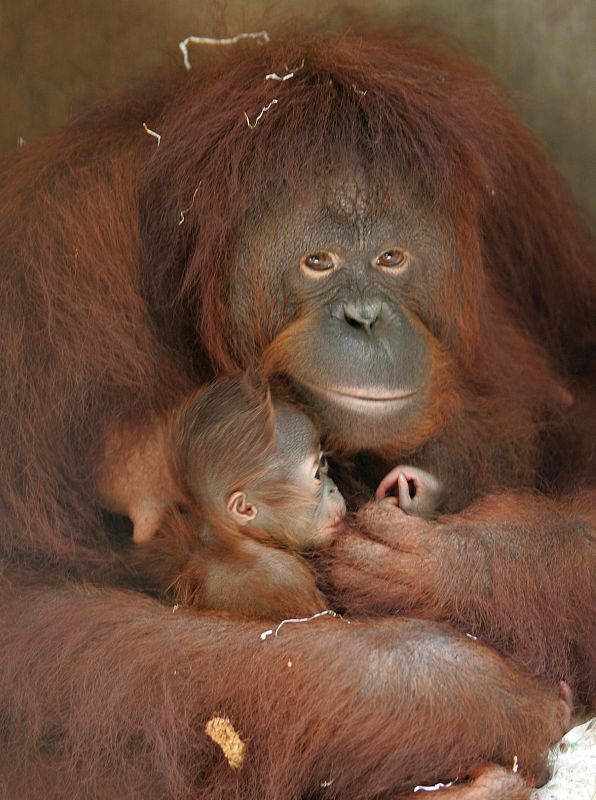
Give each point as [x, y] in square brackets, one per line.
[416, 111]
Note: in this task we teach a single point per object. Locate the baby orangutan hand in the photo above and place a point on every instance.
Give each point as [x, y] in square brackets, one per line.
[418, 492]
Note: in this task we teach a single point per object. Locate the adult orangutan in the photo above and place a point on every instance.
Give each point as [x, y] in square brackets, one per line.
[398, 248]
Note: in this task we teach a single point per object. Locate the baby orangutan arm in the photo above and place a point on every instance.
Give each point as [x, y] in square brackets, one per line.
[234, 573]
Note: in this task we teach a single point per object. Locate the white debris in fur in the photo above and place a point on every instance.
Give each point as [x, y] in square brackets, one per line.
[264, 110]
[274, 632]
[152, 133]
[327, 784]
[186, 210]
[21, 142]
[515, 766]
[573, 765]
[273, 76]
[175, 608]
[470, 636]
[434, 788]
[261, 37]
[361, 92]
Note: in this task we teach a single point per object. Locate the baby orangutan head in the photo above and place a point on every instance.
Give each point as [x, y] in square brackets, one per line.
[252, 462]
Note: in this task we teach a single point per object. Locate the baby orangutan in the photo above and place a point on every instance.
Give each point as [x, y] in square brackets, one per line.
[224, 495]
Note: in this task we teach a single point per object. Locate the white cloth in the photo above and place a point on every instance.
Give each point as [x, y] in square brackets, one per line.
[573, 764]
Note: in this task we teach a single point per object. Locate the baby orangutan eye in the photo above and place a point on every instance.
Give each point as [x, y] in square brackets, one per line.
[318, 262]
[392, 259]
[322, 468]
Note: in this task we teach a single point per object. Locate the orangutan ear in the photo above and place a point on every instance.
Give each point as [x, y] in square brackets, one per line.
[241, 511]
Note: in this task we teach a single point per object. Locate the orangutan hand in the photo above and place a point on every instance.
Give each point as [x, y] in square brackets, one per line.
[387, 562]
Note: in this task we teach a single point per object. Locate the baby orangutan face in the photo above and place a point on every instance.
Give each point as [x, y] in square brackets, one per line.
[295, 500]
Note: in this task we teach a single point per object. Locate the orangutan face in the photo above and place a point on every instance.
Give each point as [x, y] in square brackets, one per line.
[349, 285]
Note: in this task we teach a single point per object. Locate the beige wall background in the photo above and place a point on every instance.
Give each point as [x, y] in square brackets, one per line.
[58, 56]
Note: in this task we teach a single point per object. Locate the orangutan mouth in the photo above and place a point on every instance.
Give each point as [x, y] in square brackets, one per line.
[359, 400]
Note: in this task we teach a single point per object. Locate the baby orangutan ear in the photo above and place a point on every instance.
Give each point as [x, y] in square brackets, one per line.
[240, 509]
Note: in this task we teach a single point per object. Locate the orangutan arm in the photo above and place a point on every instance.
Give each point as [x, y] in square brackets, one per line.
[111, 690]
[516, 570]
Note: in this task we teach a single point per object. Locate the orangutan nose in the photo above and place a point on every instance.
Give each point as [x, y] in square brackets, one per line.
[362, 315]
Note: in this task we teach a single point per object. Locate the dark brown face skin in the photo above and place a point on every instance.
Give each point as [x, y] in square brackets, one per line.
[361, 275]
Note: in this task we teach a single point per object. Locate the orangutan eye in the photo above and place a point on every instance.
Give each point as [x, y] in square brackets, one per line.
[318, 262]
[323, 467]
[392, 259]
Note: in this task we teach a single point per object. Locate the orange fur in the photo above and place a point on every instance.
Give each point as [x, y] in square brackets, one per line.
[112, 312]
